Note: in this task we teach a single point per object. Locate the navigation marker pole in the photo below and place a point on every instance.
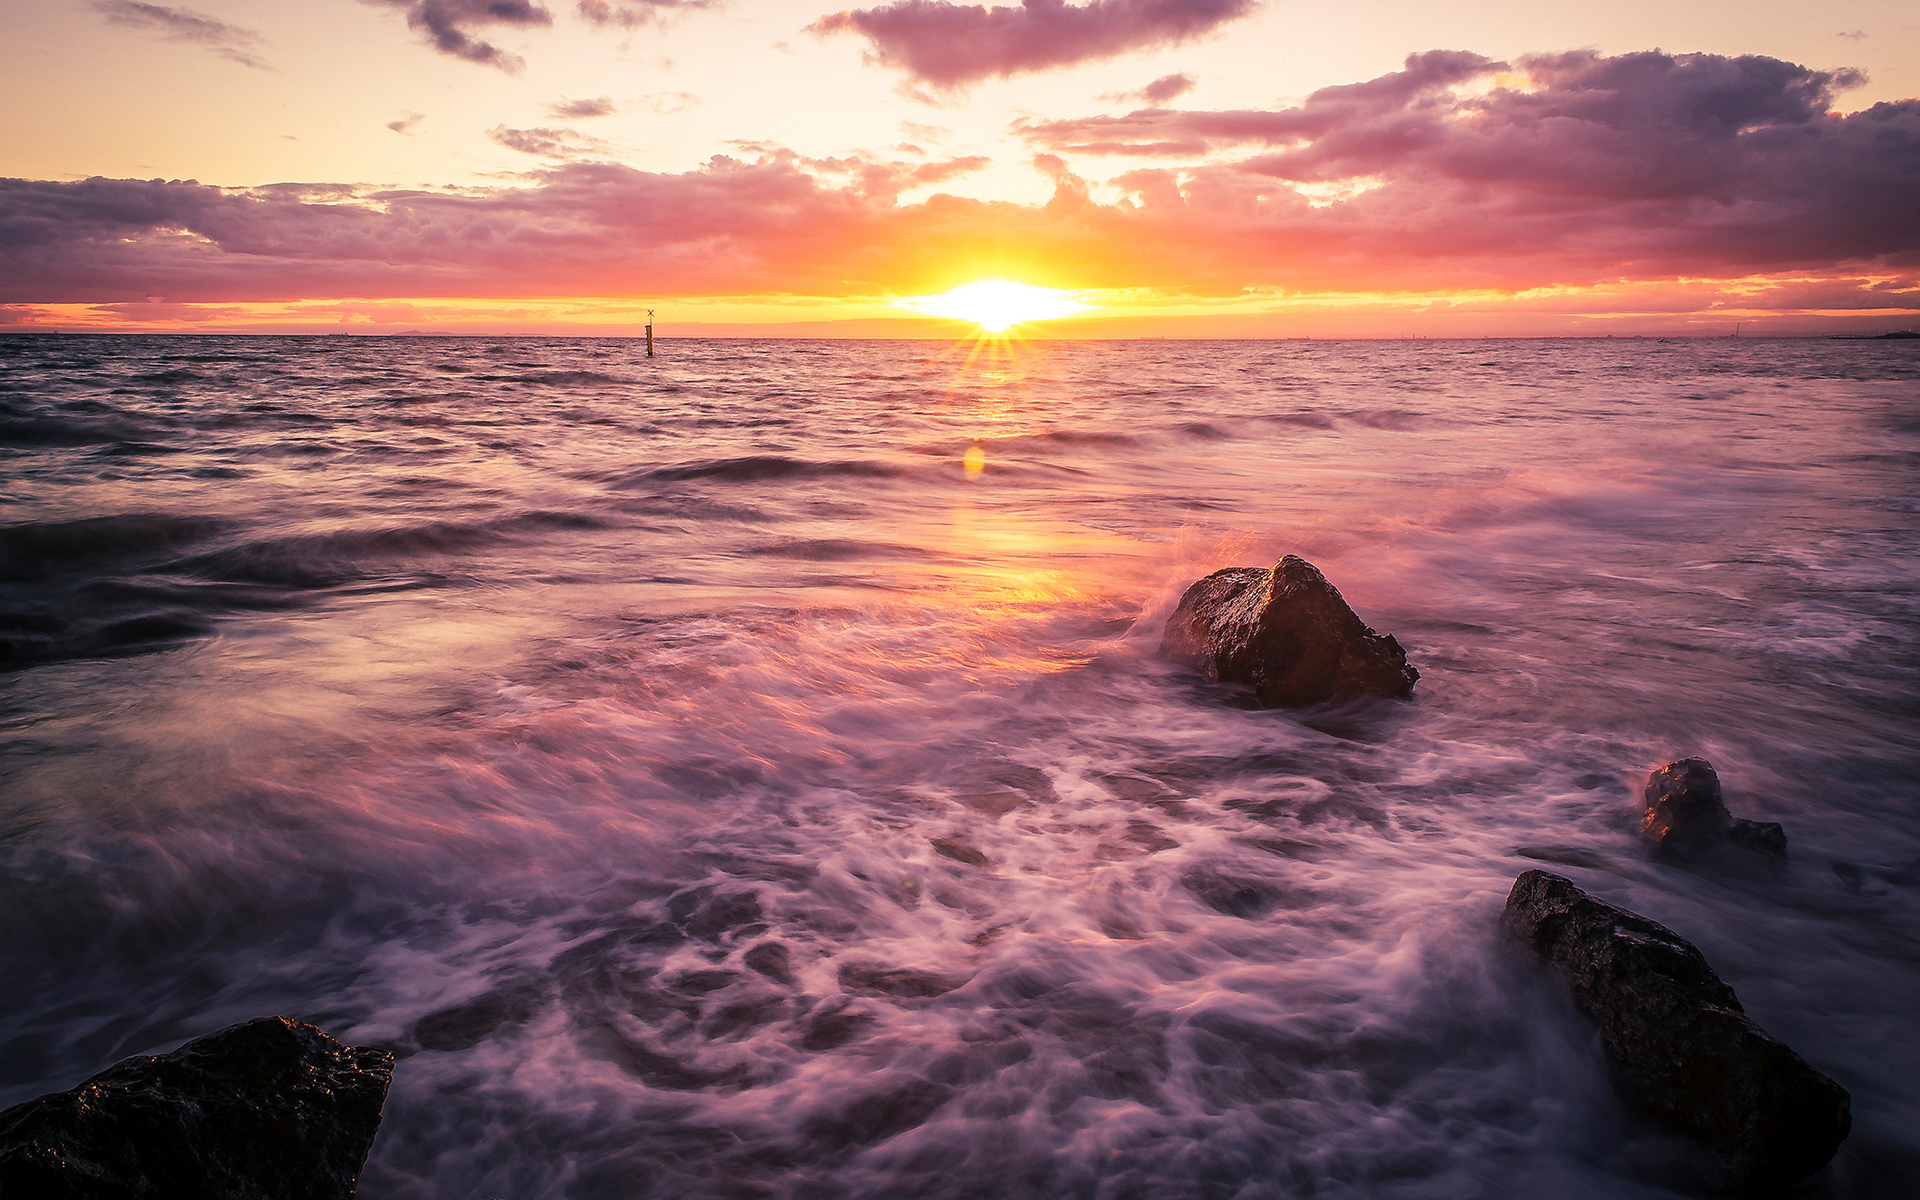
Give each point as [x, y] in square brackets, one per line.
[649, 333]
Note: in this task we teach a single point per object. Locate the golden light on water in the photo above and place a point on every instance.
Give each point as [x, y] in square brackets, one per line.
[996, 305]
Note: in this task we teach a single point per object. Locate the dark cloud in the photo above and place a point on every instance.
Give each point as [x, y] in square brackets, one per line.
[1161, 90]
[1422, 88]
[1554, 172]
[183, 25]
[1167, 87]
[562, 144]
[573, 110]
[449, 24]
[406, 122]
[949, 45]
[628, 13]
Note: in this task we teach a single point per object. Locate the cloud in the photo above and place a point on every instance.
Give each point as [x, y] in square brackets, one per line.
[572, 110]
[562, 144]
[406, 122]
[949, 46]
[668, 103]
[449, 24]
[183, 25]
[1161, 90]
[1167, 87]
[924, 132]
[629, 13]
[1553, 172]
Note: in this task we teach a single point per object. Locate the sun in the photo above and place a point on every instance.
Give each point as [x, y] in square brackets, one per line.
[997, 305]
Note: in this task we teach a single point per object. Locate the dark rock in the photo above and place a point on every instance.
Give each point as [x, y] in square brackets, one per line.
[703, 914]
[877, 1117]
[1687, 818]
[832, 1028]
[605, 1039]
[1231, 896]
[1286, 632]
[770, 959]
[465, 1025]
[895, 981]
[1764, 837]
[959, 851]
[1680, 1040]
[272, 1109]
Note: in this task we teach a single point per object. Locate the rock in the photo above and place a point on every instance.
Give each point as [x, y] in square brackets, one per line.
[464, 1026]
[1687, 818]
[959, 851]
[272, 1109]
[895, 981]
[1286, 632]
[772, 960]
[1680, 1040]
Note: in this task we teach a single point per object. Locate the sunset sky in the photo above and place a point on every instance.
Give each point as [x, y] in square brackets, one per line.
[1186, 167]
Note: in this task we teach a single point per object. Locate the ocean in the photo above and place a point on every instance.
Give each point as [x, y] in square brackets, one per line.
[749, 772]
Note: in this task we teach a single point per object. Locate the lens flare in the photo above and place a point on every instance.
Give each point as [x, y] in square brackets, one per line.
[997, 305]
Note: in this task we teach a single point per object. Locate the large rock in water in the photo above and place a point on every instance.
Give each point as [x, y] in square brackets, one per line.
[1680, 1040]
[271, 1109]
[1288, 633]
[1686, 816]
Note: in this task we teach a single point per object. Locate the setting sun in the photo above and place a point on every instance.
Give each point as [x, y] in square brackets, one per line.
[998, 304]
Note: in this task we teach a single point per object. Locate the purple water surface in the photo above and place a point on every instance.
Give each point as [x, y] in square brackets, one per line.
[505, 700]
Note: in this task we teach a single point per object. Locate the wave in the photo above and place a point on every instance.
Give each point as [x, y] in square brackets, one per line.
[129, 584]
[754, 469]
[26, 431]
[835, 550]
[39, 550]
[554, 378]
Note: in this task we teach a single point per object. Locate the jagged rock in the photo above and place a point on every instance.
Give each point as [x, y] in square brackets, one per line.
[1680, 1040]
[1288, 633]
[271, 1109]
[1686, 816]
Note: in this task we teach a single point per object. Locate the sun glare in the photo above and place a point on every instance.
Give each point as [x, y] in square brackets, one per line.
[997, 305]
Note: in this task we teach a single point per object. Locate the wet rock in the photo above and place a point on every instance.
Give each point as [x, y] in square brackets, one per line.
[463, 1026]
[747, 1014]
[272, 1109]
[605, 1039]
[1286, 632]
[1686, 817]
[703, 914]
[699, 983]
[770, 959]
[895, 981]
[1231, 896]
[832, 1028]
[1680, 1040]
[877, 1117]
[959, 851]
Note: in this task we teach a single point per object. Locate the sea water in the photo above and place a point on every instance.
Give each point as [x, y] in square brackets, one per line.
[749, 771]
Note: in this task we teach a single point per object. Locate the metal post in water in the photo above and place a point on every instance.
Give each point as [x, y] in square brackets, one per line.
[649, 333]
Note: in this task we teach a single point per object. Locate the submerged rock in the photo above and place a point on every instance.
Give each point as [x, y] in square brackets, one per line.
[1680, 1040]
[1686, 817]
[1288, 633]
[272, 1109]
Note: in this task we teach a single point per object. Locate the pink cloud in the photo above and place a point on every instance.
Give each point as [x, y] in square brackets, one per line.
[952, 45]
[1456, 173]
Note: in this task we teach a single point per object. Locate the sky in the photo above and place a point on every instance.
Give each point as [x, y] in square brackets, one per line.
[1230, 168]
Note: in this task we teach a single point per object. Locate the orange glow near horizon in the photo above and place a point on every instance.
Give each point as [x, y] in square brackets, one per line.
[997, 305]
